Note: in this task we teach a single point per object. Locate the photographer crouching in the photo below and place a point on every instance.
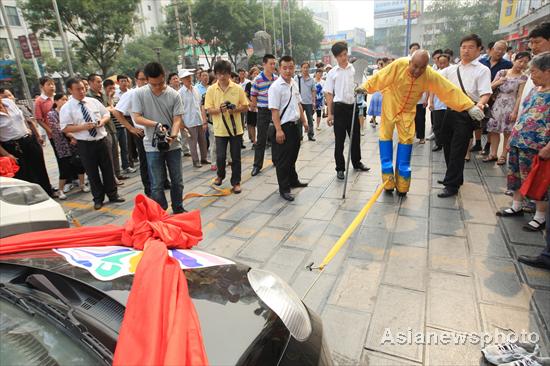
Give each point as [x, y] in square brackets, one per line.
[225, 101]
[159, 109]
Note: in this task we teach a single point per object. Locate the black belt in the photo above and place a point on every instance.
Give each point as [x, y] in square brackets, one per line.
[17, 140]
[263, 109]
[91, 141]
[343, 104]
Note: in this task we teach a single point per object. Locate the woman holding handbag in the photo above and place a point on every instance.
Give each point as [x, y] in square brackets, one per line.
[507, 88]
[530, 135]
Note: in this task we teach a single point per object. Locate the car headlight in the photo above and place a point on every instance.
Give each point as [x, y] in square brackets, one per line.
[23, 194]
[282, 299]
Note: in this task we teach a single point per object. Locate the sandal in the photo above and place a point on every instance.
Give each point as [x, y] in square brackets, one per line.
[534, 225]
[509, 212]
[501, 160]
[489, 158]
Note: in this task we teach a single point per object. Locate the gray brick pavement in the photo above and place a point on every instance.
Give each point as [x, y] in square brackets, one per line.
[422, 262]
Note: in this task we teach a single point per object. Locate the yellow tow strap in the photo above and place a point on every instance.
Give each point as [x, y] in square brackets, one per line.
[352, 227]
[220, 192]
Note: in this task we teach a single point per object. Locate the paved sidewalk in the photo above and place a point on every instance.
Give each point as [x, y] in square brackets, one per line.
[422, 262]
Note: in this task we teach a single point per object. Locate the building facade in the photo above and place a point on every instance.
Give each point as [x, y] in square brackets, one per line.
[518, 18]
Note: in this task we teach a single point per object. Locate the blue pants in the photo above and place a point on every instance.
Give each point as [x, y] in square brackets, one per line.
[156, 162]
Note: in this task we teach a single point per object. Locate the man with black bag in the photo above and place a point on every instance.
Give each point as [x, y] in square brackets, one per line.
[288, 115]
[475, 81]
[159, 110]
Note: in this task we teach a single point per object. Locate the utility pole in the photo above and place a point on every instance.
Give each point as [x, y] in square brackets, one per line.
[192, 30]
[63, 38]
[290, 45]
[180, 37]
[274, 31]
[408, 36]
[26, 90]
[282, 27]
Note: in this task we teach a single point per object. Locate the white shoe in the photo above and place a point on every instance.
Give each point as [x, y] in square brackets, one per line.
[61, 195]
[318, 128]
[85, 188]
[129, 170]
[508, 352]
[68, 187]
[529, 361]
[431, 137]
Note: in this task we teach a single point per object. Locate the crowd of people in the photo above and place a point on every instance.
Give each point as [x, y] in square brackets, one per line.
[102, 129]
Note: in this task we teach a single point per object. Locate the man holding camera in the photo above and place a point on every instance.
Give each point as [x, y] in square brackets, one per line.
[159, 110]
[85, 119]
[224, 102]
[285, 104]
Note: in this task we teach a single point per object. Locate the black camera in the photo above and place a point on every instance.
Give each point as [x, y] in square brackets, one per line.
[230, 105]
[160, 138]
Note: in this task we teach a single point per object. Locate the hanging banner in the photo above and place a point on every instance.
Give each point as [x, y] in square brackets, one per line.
[24, 44]
[34, 45]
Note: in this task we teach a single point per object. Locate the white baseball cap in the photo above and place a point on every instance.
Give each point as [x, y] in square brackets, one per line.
[184, 73]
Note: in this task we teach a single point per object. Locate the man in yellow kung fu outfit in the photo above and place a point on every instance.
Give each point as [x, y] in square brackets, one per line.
[402, 84]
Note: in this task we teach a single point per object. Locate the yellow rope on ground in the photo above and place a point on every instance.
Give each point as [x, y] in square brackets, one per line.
[221, 192]
[353, 226]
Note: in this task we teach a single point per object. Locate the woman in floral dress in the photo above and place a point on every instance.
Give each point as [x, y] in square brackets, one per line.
[65, 149]
[508, 86]
[530, 135]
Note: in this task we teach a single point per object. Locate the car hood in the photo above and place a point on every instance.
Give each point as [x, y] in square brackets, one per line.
[232, 317]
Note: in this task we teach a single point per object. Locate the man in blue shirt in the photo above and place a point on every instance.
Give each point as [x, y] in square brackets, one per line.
[495, 62]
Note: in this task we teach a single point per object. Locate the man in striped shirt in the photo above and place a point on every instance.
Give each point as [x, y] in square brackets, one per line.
[258, 98]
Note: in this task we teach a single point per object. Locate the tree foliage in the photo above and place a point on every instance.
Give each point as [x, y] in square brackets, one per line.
[100, 26]
[464, 17]
[141, 51]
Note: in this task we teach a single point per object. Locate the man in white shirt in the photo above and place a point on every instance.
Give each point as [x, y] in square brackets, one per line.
[85, 118]
[474, 79]
[192, 117]
[287, 113]
[339, 89]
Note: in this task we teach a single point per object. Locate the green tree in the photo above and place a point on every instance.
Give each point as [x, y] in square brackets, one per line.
[306, 34]
[99, 25]
[141, 51]
[464, 17]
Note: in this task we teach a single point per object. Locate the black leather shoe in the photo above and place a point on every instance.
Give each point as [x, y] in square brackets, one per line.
[539, 262]
[446, 192]
[287, 196]
[117, 199]
[437, 148]
[441, 181]
[476, 148]
[298, 185]
[255, 171]
[361, 167]
[340, 174]
[312, 139]
[98, 205]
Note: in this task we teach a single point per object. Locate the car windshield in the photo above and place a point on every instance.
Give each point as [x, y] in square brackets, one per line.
[32, 340]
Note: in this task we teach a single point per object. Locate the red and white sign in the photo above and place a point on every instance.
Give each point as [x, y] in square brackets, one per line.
[24, 43]
[34, 45]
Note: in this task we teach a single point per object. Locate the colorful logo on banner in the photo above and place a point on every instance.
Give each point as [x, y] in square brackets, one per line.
[108, 263]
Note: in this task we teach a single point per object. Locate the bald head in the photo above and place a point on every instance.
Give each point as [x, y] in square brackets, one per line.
[419, 62]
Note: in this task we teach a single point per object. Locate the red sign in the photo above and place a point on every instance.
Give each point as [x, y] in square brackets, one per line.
[34, 45]
[23, 42]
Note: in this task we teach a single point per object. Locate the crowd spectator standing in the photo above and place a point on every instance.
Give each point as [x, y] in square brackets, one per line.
[121, 132]
[252, 114]
[286, 106]
[65, 149]
[437, 107]
[319, 97]
[158, 108]
[193, 120]
[225, 101]
[507, 88]
[308, 94]
[259, 100]
[85, 118]
[109, 93]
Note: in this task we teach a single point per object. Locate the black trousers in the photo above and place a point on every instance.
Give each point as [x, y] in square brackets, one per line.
[456, 133]
[437, 125]
[221, 154]
[286, 155]
[30, 159]
[343, 114]
[95, 155]
[143, 171]
[262, 125]
[420, 121]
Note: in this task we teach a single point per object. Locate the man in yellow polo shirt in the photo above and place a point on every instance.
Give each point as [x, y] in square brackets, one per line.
[402, 84]
[224, 102]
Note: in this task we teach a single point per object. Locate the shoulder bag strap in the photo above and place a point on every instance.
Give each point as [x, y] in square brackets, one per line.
[284, 109]
[461, 84]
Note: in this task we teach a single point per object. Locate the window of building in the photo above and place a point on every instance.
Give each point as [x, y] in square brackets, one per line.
[152, 29]
[508, 11]
[4, 47]
[13, 16]
[58, 50]
[149, 7]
